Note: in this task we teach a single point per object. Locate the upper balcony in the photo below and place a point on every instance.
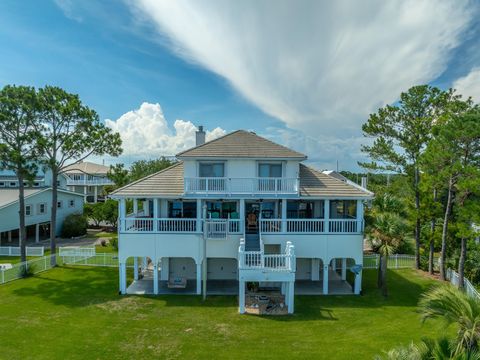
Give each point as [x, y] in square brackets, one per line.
[229, 186]
[90, 182]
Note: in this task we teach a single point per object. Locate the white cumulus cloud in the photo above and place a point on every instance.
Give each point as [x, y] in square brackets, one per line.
[469, 85]
[319, 66]
[146, 133]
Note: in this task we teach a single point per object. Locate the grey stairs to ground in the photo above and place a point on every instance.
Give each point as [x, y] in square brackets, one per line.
[252, 242]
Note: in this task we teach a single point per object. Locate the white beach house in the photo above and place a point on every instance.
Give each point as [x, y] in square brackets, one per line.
[87, 178]
[246, 210]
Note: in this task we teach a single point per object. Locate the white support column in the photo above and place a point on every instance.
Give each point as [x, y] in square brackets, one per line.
[344, 268]
[326, 215]
[85, 188]
[360, 215]
[165, 268]
[199, 278]
[282, 288]
[146, 208]
[291, 297]
[95, 196]
[241, 297]
[284, 215]
[242, 215]
[9, 236]
[325, 278]
[122, 213]
[122, 269]
[199, 215]
[135, 268]
[287, 290]
[156, 215]
[334, 264]
[315, 270]
[155, 277]
[135, 206]
[358, 283]
[37, 233]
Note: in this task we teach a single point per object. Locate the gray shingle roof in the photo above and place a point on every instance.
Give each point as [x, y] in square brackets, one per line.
[167, 182]
[87, 168]
[241, 144]
[315, 183]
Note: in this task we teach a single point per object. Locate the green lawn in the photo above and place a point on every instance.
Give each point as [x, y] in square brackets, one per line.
[76, 313]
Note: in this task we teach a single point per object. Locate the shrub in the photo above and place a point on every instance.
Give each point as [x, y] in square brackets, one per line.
[26, 271]
[74, 225]
[114, 243]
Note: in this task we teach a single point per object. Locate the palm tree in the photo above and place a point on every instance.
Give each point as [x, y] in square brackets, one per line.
[428, 349]
[386, 232]
[455, 307]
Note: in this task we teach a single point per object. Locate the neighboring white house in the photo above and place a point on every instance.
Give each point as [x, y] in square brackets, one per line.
[87, 178]
[249, 210]
[37, 212]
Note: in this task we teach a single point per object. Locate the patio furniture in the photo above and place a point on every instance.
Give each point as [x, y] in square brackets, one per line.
[252, 223]
[177, 283]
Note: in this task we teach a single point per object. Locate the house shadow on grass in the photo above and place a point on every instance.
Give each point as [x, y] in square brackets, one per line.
[70, 286]
[85, 286]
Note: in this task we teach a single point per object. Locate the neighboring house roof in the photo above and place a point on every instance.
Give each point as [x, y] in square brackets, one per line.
[10, 196]
[168, 182]
[241, 144]
[316, 183]
[87, 168]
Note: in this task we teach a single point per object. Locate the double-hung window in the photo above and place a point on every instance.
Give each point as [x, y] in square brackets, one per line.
[28, 210]
[42, 208]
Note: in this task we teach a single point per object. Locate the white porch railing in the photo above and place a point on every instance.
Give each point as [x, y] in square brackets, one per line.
[15, 250]
[216, 228]
[258, 260]
[312, 226]
[97, 181]
[270, 225]
[223, 185]
[158, 225]
[305, 226]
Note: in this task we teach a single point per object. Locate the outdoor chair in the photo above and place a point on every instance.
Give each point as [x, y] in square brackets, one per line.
[252, 222]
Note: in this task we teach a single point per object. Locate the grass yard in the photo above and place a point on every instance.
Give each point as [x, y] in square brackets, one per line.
[76, 313]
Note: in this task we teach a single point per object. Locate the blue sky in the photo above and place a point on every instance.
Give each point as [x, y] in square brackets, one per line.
[287, 72]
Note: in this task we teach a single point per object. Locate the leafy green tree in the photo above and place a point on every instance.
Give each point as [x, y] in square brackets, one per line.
[94, 212]
[142, 168]
[118, 174]
[401, 133]
[17, 150]
[69, 131]
[454, 153]
[110, 212]
[456, 308]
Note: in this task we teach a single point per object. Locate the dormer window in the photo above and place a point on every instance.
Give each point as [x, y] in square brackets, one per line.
[212, 170]
[269, 170]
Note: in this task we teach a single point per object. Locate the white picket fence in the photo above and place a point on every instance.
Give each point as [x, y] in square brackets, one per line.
[16, 271]
[395, 261]
[100, 259]
[15, 250]
[453, 277]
